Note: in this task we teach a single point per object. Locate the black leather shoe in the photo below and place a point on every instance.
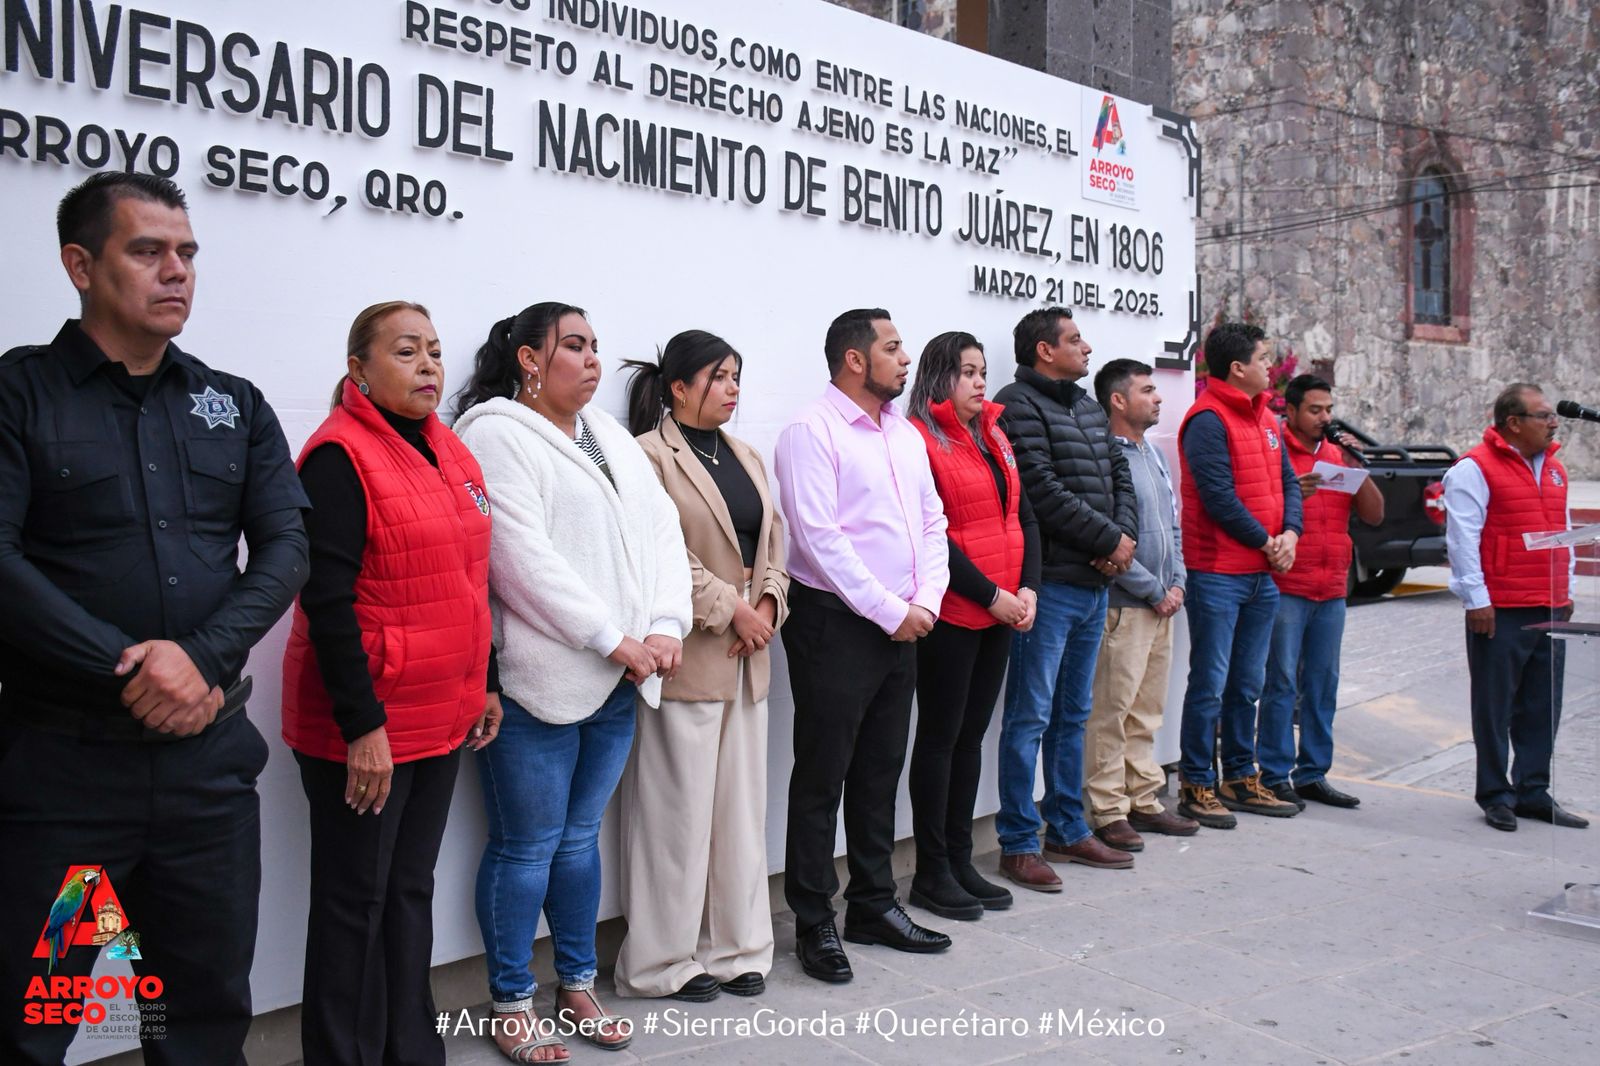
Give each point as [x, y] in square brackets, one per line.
[821, 954]
[746, 984]
[1501, 817]
[1554, 814]
[895, 929]
[698, 989]
[1287, 793]
[1322, 792]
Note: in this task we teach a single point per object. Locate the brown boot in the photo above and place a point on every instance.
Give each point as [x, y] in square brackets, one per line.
[1030, 871]
[1249, 794]
[1164, 822]
[1200, 803]
[1120, 835]
[1089, 852]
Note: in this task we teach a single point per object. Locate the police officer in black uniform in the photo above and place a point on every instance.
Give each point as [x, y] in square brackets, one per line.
[128, 471]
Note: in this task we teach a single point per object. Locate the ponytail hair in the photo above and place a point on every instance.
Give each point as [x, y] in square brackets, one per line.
[495, 371]
[647, 394]
[685, 356]
[364, 330]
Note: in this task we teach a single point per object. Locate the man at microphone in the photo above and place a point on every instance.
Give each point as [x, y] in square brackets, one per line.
[1308, 632]
[1508, 485]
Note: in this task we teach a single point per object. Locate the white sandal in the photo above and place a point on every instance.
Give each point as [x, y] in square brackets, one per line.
[523, 1052]
[591, 1032]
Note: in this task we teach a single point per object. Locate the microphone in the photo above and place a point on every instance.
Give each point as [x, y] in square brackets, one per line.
[1569, 409]
[1340, 435]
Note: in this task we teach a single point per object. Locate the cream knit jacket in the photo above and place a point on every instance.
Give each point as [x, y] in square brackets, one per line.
[574, 564]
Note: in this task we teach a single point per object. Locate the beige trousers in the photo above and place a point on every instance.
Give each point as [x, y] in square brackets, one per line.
[693, 805]
[1130, 688]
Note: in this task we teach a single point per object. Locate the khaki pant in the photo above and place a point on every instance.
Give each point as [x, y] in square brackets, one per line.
[1130, 687]
[693, 806]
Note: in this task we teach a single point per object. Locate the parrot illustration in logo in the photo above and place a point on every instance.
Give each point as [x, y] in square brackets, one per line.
[64, 914]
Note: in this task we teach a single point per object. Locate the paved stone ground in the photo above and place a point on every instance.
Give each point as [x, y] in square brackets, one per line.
[1393, 934]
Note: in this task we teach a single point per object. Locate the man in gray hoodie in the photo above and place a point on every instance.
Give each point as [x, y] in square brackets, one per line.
[1122, 778]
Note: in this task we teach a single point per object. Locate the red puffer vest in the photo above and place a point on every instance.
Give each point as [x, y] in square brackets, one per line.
[1322, 558]
[422, 598]
[1515, 576]
[965, 481]
[1253, 448]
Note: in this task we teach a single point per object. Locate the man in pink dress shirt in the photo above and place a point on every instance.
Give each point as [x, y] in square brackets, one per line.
[870, 563]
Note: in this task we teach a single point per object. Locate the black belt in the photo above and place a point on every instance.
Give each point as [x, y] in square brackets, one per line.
[819, 598]
[97, 725]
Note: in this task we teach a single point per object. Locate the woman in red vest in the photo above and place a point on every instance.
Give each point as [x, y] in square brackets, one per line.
[994, 572]
[388, 672]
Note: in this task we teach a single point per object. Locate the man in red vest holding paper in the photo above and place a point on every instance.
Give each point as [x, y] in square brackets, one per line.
[1509, 485]
[1241, 522]
[1309, 629]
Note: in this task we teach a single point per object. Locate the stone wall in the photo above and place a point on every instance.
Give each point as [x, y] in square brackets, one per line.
[1335, 105]
[937, 18]
[1118, 46]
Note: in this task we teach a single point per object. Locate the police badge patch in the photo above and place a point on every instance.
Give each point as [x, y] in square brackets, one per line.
[217, 408]
[479, 498]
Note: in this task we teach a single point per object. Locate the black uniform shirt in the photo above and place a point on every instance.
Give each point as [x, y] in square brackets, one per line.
[122, 500]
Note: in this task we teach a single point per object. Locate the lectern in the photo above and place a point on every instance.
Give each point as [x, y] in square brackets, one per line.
[1575, 768]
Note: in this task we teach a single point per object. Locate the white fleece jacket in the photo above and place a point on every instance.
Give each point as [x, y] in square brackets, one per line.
[574, 564]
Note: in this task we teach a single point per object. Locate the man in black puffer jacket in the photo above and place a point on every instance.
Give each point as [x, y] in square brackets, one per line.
[1082, 492]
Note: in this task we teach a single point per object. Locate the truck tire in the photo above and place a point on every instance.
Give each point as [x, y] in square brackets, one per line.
[1378, 584]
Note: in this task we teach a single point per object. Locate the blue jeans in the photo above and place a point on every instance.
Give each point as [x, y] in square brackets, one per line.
[1230, 627]
[545, 788]
[1304, 661]
[1048, 694]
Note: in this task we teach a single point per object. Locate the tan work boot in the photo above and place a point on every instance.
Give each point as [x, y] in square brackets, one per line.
[1199, 802]
[1250, 795]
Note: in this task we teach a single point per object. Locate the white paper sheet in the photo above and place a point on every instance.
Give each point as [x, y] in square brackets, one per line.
[1337, 478]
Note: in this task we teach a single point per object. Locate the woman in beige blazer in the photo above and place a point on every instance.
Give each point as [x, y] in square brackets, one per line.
[694, 796]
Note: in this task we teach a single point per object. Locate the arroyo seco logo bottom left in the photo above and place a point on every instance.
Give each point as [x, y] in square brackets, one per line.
[86, 913]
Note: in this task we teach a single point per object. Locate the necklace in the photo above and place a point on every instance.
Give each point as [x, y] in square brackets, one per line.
[716, 445]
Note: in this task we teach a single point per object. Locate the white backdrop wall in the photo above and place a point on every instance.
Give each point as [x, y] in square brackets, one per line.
[481, 155]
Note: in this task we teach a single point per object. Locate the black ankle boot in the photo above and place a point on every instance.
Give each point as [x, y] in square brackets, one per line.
[990, 895]
[941, 894]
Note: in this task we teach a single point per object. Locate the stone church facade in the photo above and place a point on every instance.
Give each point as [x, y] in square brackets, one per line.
[1406, 194]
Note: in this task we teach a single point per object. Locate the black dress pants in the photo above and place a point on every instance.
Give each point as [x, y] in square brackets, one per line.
[852, 712]
[176, 826]
[369, 937]
[1517, 679]
[959, 674]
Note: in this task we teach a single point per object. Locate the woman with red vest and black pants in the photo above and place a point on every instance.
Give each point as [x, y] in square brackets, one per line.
[388, 673]
[994, 575]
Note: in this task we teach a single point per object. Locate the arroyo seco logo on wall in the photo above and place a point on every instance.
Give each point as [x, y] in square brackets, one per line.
[1108, 170]
[86, 914]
